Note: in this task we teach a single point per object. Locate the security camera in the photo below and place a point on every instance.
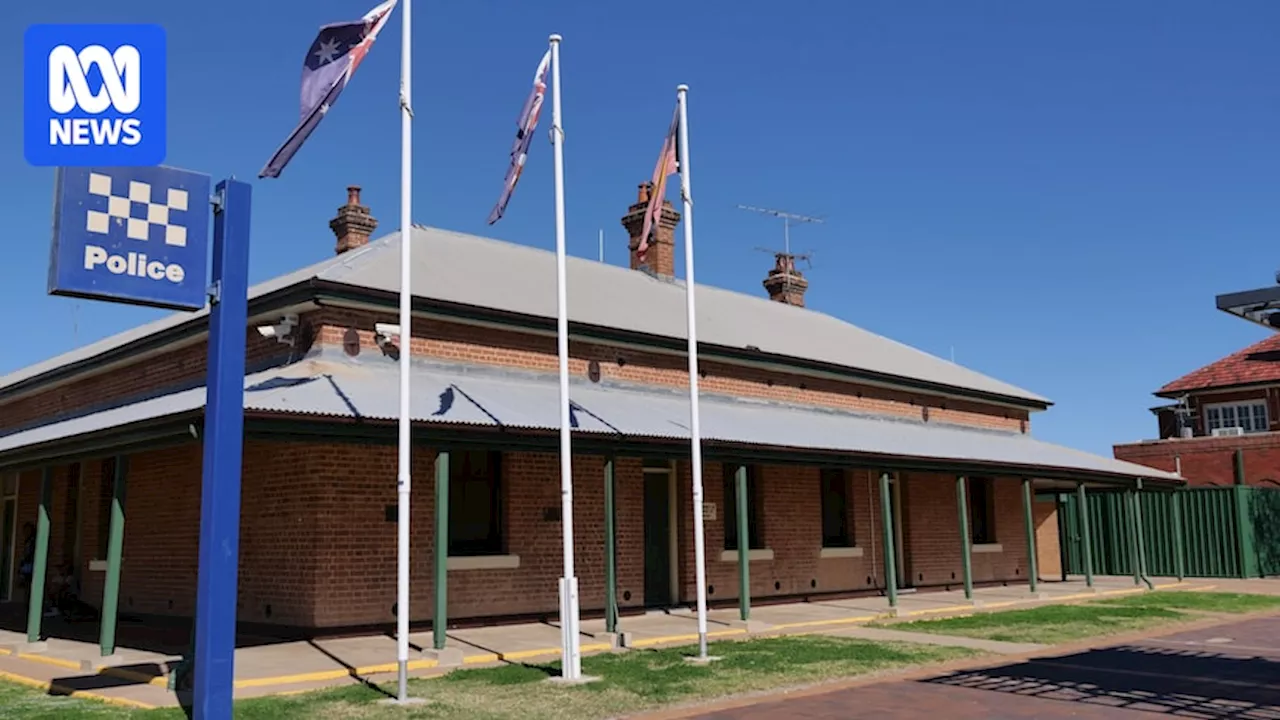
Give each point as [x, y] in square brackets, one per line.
[281, 331]
[386, 335]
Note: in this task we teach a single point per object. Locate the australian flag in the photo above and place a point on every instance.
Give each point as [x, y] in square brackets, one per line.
[331, 61]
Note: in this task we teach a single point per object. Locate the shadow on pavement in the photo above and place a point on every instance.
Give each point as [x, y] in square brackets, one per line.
[1185, 683]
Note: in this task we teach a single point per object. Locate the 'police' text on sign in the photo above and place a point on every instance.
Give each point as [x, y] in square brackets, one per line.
[133, 234]
[95, 95]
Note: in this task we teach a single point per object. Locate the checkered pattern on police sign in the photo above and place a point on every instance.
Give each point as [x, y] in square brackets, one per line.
[119, 206]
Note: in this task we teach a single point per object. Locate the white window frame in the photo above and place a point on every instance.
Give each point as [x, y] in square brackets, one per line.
[1215, 416]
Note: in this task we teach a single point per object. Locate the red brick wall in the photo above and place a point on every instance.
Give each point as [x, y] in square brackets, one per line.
[1209, 460]
[792, 530]
[357, 580]
[317, 550]
[158, 575]
[464, 343]
[791, 509]
[933, 530]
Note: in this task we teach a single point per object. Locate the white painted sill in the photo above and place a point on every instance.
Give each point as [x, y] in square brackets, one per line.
[988, 548]
[752, 555]
[840, 552]
[484, 562]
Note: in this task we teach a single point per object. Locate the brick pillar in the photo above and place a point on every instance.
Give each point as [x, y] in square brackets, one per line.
[353, 224]
[785, 284]
[661, 257]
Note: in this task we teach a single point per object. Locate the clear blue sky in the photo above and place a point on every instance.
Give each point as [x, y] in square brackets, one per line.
[1056, 192]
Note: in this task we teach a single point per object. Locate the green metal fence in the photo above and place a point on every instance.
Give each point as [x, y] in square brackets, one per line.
[1221, 531]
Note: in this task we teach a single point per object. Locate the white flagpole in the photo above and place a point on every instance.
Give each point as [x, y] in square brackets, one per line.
[695, 442]
[571, 654]
[404, 473]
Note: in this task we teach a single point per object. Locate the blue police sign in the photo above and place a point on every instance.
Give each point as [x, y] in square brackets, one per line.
[137, 235]
[94, 95]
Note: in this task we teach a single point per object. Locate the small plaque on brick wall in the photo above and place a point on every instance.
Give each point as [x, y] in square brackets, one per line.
[708, 511]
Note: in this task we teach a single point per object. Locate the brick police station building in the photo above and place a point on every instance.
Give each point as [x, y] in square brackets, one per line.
[840, 432]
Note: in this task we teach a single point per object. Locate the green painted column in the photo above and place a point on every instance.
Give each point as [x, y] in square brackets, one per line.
[1244, 521]
[1179, 545]
[440, 619]
[1029, 521]
[115, 551]
[744, 546]
[886, 521]
[962, 502]
[40, 564]
[610, 552]
[1086, 542]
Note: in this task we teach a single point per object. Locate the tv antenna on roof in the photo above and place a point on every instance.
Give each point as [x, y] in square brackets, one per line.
[787, 219]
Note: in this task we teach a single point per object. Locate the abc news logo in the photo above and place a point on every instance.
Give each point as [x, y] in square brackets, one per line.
[69, 90]
[94, 95]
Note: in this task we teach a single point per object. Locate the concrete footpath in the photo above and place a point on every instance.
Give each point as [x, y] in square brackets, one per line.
[139, 677]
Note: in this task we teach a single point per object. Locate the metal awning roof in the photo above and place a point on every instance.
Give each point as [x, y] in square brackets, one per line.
[1261, 306]
[333, 386]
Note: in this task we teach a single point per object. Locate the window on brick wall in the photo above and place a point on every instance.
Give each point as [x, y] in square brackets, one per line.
[475, 504]
[755, 528]
[105, 489]
[837, 531]
[982, 511]
[1250, 416]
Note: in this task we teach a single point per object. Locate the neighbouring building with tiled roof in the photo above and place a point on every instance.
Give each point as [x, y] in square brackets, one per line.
[1221, 422]
[833, 432]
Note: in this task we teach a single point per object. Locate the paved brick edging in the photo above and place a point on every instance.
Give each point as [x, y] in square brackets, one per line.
[933, 669]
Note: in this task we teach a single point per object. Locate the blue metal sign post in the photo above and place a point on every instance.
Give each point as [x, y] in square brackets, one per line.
[214, 660]
[140, 235]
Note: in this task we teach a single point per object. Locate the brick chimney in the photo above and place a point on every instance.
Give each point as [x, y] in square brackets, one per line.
[784, 283]
[353, 224]
[661, 256]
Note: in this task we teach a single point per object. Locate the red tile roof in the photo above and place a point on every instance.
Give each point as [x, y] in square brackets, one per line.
[1257, 363]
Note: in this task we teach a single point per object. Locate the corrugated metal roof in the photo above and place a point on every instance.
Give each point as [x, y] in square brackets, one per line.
[482, 272]
[341, 388]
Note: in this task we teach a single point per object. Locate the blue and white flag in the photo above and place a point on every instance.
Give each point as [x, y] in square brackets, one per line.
[331, 61]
